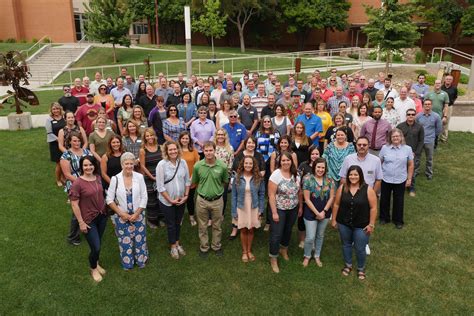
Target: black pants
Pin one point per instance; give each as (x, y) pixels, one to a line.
(280, 232)
(398, 202)
(74, 231)
(190, 203)
(173, 217)
(94, 238)
(224, 197)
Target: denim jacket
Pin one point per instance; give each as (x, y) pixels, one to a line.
(238, 195)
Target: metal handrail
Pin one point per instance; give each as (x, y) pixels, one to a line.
(451, 51)
(34, 45)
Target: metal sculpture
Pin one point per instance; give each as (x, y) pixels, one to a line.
(14, 72)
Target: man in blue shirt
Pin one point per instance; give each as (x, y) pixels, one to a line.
(236, 131)
(432, 126)
(312, 123)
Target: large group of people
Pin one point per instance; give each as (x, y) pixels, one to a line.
(328, 150)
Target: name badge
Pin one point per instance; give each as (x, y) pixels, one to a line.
(239, 130)
(251, 112)
(370, 172)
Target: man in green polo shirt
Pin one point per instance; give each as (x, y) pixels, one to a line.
(440, 100)
(210, 175)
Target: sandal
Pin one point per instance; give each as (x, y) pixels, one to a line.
(361, 275)
(245, 258)
(305, 262)
(251, 256)
(346, 271)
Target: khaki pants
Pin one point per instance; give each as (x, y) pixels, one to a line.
(203, 208)
(444, 134)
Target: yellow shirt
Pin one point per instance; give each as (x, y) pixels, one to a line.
(327, 122)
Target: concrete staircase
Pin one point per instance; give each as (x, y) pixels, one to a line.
(52, 60)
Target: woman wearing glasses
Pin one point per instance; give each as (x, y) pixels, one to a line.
(105, 100)
(173, 125)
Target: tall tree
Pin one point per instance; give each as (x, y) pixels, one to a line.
(391, 27)
(210, 22)
(302, 16)
(108, 21)
(445, 17)
(467, 22)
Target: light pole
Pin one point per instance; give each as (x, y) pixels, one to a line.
(157, 30)
(187, 36)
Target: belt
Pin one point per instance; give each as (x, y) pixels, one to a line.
(210, 199)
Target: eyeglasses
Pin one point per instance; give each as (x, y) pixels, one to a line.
(411, 114)
(232, 116)
(67, 90)
(334, 72)
(102, 89)
(362, 145)
(202, 112)
(332, 80)
(266, 121)
(350, 79)
(220, 134)
(173, 110)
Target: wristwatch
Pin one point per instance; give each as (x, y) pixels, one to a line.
(371, 225)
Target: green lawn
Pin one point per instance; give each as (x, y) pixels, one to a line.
(426, 268)
(45, 97)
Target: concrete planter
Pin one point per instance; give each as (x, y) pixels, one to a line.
(19, 121)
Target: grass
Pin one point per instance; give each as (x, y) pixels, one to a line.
(198, 48)
(426, 268)
(46, 97)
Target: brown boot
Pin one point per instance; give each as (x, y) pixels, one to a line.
(274, 264)
(284, 253)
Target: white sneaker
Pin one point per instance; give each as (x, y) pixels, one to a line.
(192, 220)
(181, 250)
(367, 250)
(301, 245)
(174, 253)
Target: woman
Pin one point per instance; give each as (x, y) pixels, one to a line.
(141, 91)
(55, 122)
(109, 125)
(99, 139)
(71, 127)
(202, 130)
(281, 122)
(390, 113)
(139, 118)
(326, 119)
(236, 101)
(172, 184)
(332, 85)
(282, 146)
(300, 142)
(70, 168)
(224, 153)
(354, 106)
(379, 99)
(286, 204)
(360, 119)
(339, 122)
(105, 100)
(248, 203)
(222, 117)
(367, 100)
(335, 154)
(88, 205)
(124, 113)
(173, 125)
(212, 111)
(127, 197)
(191, 156)
(354, 214)
(150, 156)
(238, 88)
(397, 168)
(211, 81)
(187, 110)
(267, 138)
(110, 162)
(131, 140)
(217, 91)
(318, 192)
(205, 99)
(307, 166)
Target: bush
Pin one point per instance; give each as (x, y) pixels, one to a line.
(23, 41)
(34, 40)
(372, 55)
(464, 79)
(430, 80)
(397, 58)
(461, 91)
(1, 41)
(421, 71)
(436, 58)
(47, 40)
(10, 40)
(448, 57)
(420, 57)
(353, 56)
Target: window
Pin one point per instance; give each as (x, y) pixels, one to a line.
(140, 28)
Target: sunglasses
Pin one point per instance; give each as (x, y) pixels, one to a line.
(411, 114)
(362, 145)
(173, 110)
(233, 116)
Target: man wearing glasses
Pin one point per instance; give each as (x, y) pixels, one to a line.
(236, 131)
(335, 76)
(148, 101)
(68, 101)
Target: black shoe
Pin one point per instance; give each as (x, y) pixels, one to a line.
(219, 252)
(429, 178)
(383, 222)
(232, 237)
(74, 242)
(203, 254)
(399, 226)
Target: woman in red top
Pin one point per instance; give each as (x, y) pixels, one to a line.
(88, 205)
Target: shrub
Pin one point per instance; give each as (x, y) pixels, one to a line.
(436, 58)
(23, 41)
(448, 57)
(47, 40)
(34, 40)
(10, 40)
(461, 91)
(1, 41)
(430, 80)
(372, 55)
(397, 58)
(353, 56)
(420, 57)
(464, 79)
(421, 71)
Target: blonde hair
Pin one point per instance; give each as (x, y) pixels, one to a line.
(166, 145)
(226, 141)
(55, 105)
(151, 131)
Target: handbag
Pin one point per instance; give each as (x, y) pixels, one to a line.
(175, 172)
(110, 211)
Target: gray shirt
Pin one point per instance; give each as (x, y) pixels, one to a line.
(176, 187)
(371, 167)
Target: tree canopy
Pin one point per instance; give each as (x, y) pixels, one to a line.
(210, 22)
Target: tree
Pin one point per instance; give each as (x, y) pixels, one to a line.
(211, 22)
(391, 27)
(304, 15)
(108, 21)
(445, 17)
(467, 22)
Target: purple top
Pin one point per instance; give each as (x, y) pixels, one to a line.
(383, 127)
(202, 132)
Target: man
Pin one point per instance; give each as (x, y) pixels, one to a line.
(278, 92)
(248, 115)
(94, 86)
(388, 90)
(296, 106)
(250, 90)
(452, 92)
(312, 122)
(371, 90)
(148, 101)
(421, 88)
(362, 85)
(379, 84)
(440, 103)
(175, 98)
(291, 83)
(210, 175)
(255, 77)
(285, 100)
(228, 92)
(236, 131)
(371, 167)
(334, 75)
(228, 77)
(414, 135)
(202, 130)
(87, 113)
(403, 103)
(304, 94)
(119, 92)
(432, 126)
(376, 131)
(353, 92)
(181, 81)
(245, 78)
(268, 82)
(333, 102)
(260, 100)
(123, 73)
(269, 109)
(325, 92)
(86, 83)
(220, 75)
(109, 82)
(163, 90)
(130, 85)
(206, 88)
(68, 101)
(308, 85)
(79, 91)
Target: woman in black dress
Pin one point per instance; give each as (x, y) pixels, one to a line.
(54, 123)
(300, 142)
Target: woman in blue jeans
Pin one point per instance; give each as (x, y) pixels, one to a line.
(318, 191)
(286, 204)
(354, 214)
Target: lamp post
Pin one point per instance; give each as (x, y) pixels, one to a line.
(187, 36)
(157, 30)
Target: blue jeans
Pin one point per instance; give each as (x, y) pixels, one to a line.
(360, 239)
(280, 232)
(314, 232)
(94, 238)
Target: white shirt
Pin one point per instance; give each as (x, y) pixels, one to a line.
(401, 106)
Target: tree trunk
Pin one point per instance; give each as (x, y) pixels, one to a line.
(212, 45)
(115, 54)
(241, 38)
(17, 105)
(387, 62)
(301, 40)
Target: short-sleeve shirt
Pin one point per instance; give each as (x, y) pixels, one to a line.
(237, 134)
(438, 99)
(210, 178)
(319, 194)
(90, 195)
(370, 165)
(248, 116)
(287, 190)
(100, 143)
(394, 165)
(86, 115)
(312, 125)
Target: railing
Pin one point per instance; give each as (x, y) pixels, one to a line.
(450, 51)
(27, 52)
(280, 62)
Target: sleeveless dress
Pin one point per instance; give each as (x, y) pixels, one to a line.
(55, 153)
(248, 216)
(151, 161)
